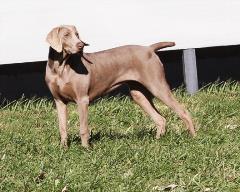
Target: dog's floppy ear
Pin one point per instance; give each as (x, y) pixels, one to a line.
(54, 40)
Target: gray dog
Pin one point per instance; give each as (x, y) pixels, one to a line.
(73, 75)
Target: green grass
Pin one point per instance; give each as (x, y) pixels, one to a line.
(125, 155)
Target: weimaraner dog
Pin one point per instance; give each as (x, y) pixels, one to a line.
(73, 75)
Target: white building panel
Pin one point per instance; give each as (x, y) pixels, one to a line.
(104, 24)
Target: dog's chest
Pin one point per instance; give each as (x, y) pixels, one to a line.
(65, 89)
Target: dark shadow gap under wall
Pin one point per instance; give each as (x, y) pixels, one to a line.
(213, 64)
(172, 62)
(218, 64)
(23, 79)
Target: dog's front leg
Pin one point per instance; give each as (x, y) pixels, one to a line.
(62, 119)
(83, 115)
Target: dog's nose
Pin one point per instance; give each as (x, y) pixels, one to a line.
(80, 45)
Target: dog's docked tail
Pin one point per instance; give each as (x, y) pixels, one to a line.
(161, 45)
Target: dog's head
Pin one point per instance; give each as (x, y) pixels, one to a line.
(65, 38)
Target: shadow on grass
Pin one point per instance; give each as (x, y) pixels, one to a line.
(111, 135)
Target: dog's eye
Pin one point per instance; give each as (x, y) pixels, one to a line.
(66, 34)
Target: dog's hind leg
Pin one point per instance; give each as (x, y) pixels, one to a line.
(160, 89)
(143, 98)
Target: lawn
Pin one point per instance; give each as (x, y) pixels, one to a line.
(125, 155)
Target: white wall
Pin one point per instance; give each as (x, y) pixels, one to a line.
(24, 24)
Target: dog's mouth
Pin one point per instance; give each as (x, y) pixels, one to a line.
(77, 49)
(74, 51)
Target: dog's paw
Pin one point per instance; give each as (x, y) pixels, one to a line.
(160, 132)
(64, 144)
